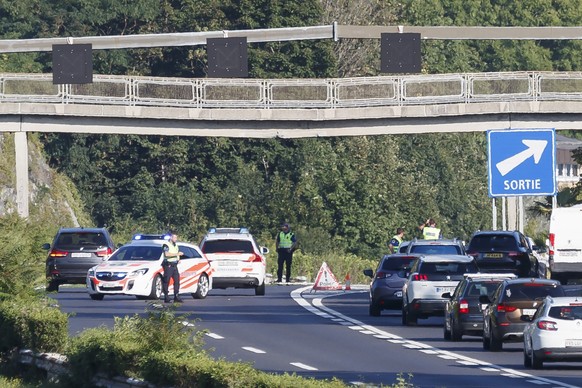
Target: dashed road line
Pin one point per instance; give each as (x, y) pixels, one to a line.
(254, 350)
(214, 335)
(303, 366)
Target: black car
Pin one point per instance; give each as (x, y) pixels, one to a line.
(503, 251)
(502, 321)
(72, 252)
(463, 311)
(387, 281)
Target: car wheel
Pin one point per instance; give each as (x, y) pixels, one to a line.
(408, 319)
(260, 290)
(536, 362)
(456, 334)
(52, 286)
(96, 296)
(156, 291)
(485, 338)
(526, 359)
(495, 343)
(374, 310)
(203, 286)
(446, 332)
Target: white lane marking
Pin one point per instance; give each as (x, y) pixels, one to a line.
(254, 350)
(317, 304)
(302, 366)
(214, 335)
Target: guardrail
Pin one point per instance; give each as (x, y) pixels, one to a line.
(207, 93)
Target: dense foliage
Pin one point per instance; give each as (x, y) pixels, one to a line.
(340, 194)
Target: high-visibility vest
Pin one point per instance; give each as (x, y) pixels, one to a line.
(431, 233)
(172, 249)
(397, 238)
(285, 240)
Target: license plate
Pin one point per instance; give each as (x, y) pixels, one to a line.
(528, 311)
(398, 294)
(493, 255)
(574, 343)
(442, 290)
(108, 285)
(227, 264)
(80, 254)
(568, 253)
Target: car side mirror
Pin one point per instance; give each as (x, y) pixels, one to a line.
(46, 246)
(264, 250)
(369, 272)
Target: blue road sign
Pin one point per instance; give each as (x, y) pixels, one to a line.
(522, 162)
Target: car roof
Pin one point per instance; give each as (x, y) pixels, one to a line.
(496, 232)
(228, 233)
(531, 280)
(400, 255)
(82, 229)
(446, 258)
(440, 241)
(564, 300)
(489, 276)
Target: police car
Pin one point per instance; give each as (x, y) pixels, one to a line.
(238, 261)
(136, 269)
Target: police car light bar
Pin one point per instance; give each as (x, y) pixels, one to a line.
(140, 236)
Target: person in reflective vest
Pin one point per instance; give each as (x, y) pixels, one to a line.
(170, 265)
(286, 245)
(394, 244)
(430, 231)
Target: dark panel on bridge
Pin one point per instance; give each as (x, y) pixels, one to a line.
(72, 64)
(400, 53)
(227, 57)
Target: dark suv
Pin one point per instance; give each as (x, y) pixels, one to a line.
(73, 252)
(503, 251)
(513, 298)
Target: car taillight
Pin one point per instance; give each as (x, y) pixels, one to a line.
(57, 253)
(463, 307)
(104, 252)
(551, 238)
(419, 277)
(255, 258)
(547, 325)
(503, 308)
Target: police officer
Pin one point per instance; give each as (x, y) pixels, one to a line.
(170, 265)
(394, 244)
(429, 230)
(286, 245)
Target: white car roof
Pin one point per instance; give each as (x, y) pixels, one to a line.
(565, 300)
(446, 258)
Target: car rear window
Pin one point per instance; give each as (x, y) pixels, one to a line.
(129, 252)
(493, 243)
(447, 268)
(566, 312)
(80, 239)
(530, 291)
(227, 246)
(397, 263)
(436, 249)
(482, 288)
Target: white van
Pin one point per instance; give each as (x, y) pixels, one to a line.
(565, 243)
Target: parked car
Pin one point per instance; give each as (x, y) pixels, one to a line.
(503, 251)
(436, 247)
(554, 333)
(387, 282)
(513, 298)
(136, 269)
(430, 277)
(237, 259)
(463, 311)
(565, 243)
(72, 252)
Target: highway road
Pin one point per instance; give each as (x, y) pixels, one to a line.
(326, 334)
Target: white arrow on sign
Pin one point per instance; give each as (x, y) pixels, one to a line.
(534, 148)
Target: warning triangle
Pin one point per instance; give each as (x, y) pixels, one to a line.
(326, 280)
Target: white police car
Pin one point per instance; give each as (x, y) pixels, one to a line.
(136, 269)
(238, 261)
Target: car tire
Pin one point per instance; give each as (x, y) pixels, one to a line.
(485, 339)
(374, 311)
(407, 318)
(526, 359)
(96, 296)
(203, 287)
(156, 291)
(260, 290)
(456, 333)
(536, 362)
(495, 343)
(446, 332)
(52, 286)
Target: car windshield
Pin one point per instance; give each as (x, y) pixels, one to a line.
(227, 246)
(566, 312)
(436, 249)
(81, 239)
(129, 252)
(530, 291)
(492, 243)
(396, 263)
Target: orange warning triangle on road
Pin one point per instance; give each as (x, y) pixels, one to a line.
(326, 280)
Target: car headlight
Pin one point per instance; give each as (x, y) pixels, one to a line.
(139, 272)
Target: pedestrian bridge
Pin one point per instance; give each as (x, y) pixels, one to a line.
(290, 108)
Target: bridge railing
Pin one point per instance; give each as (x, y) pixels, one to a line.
(208, 93)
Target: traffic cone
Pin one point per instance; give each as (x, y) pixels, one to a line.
(348, 282)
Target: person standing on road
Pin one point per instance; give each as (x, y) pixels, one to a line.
(170, 265)
(394, 244)
(429, 230)
(286, 245)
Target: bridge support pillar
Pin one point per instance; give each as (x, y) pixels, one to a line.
(21, 156)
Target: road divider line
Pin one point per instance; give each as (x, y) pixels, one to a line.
(254, 350)
(303, 366)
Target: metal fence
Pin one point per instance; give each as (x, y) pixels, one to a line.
(207, 93)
